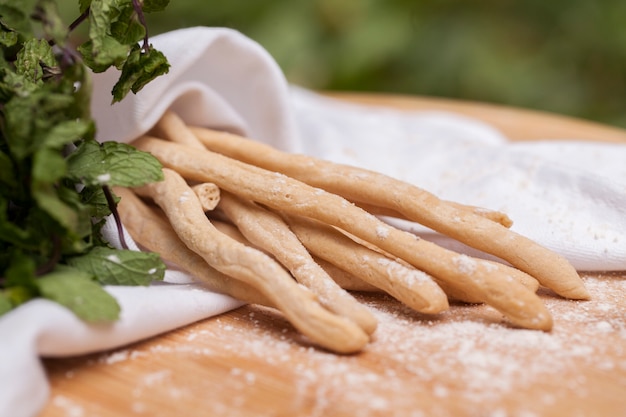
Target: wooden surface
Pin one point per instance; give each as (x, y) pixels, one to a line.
(465, 362)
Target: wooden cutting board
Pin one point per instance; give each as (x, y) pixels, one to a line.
(465, 362)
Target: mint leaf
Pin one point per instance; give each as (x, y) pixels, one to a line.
(21, 269)
(94, 199)
(34, 54)
(77, 291)
(121, 267)
(127, 29)
(105, 50)
(48, 200)
(13, 18)
(20, 276)
(49, 166)
(150, 6)
(47, 13)
(52, 204)
(113, 163)
(66, 132)
(140, 68)
(8, 38)
(84, 5)
(29, 117)
(101, 55)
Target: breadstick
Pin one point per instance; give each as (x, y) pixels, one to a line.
(493, 215)
(232, 231)
(408, 285)
(487, 281)
(218, 141)
(171, 127)
(345, 279)
(251, 266)
(349, 281)
(268, 231)
(208, 194)
(457, 293)
(364, 186)
(155, 234)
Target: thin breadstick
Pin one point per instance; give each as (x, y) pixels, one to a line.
(155, 234)
(489, 282)
(365, 186)
(345, 279)
(349, 281)
(269, 231)
(173, 128)
(232, 231)
(410, 286)
(493, 215)
(251, 266)
(208, 194)
(217, 141)
(457, 293)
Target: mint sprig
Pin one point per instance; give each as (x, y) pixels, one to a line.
(55, 178)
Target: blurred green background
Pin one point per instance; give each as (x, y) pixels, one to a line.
(564, 56)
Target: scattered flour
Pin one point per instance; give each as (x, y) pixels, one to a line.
(69, 407)
(184, 197)
(466, 358)
(382, 232)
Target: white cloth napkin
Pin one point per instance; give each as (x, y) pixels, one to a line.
(567, 195)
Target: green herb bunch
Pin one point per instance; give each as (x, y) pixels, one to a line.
(55, 178)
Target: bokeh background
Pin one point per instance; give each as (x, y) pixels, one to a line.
(563, 56)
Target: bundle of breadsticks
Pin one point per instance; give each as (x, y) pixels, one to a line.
(297, 234)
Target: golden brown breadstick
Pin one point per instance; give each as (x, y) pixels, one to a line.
(171, 127)
(488, 282)
(155, 234)
(492, 215)
(457, 293)
(364, 186)
(408, 285)
(208, 194)
(251, 266)
(232, 231)
(349, 281)
(345, 279)
(268, 231)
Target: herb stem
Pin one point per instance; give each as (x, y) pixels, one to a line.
(113, 207)
(142, 19)
(80, 19)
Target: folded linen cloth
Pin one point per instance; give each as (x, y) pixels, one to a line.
(569, 196)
